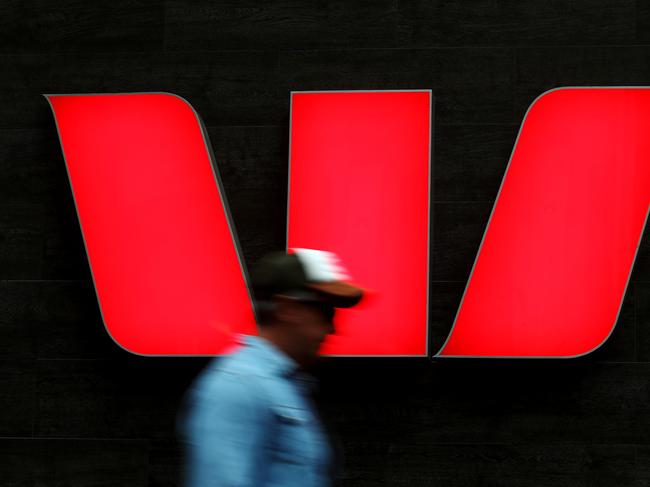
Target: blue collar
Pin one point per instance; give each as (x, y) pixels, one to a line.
(275, 362)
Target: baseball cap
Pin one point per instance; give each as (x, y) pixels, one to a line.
(308, 274)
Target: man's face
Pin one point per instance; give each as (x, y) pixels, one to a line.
(308, 324)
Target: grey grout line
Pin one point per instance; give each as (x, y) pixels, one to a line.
(75, 438)
(279, 51)
(327, 358)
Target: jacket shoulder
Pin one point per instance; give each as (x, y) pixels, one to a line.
(236, 373)
(242, 362)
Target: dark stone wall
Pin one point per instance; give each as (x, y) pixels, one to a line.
(75, 409)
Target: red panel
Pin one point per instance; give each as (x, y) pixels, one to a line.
(162, 255)
(359, 186)
(555, 260)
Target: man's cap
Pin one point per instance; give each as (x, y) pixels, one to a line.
(306, 274)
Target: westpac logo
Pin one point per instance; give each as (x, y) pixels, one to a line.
(548, 280)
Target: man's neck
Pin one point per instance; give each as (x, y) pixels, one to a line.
(281, 343)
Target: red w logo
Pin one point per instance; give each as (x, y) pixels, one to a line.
(548, 280)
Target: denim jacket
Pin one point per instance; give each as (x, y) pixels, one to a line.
(248, 420)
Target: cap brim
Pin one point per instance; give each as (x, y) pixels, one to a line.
(341, 294)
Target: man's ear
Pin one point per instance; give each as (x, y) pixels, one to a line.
(286, 309)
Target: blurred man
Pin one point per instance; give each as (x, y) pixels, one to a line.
(250, 420)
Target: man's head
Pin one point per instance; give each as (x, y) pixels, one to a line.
(296, 297)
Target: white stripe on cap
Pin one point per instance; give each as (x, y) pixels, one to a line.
(321, 265)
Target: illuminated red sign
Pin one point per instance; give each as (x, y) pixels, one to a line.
(557, 253)
(162, 253)
(548, 280)
(359, 186)
(162, 250)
